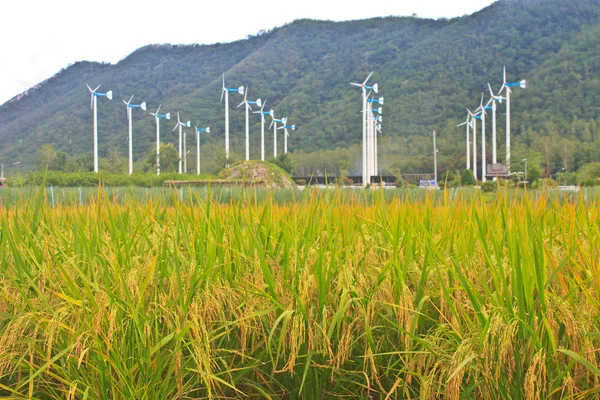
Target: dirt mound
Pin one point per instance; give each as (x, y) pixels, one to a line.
(259, 173)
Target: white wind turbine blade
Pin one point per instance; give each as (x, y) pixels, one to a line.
(131, 98)
(356, 84)
(491, 91)
(272, 122)
(368, 77)
(89, 88)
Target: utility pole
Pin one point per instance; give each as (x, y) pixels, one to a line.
(435, 162)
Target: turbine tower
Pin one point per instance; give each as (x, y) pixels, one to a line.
(262, 128)
(94, 106)
(523, 85)
(157, 118)
(483, 152)
(225, 92)
(285, 138)
(494, 99)
(364, 88)
(469, 124)
(129, 107)
(248, 109)
(476, 116)
(371, 136)
(198, 132)
(274, 125)
(180, 125)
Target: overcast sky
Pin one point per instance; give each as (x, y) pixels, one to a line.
(40, 37)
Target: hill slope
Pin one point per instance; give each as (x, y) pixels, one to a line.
(428, 71)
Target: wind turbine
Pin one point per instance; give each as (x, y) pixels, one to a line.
(523, 85)
(225, 92)
(262, 128)
(180, 125)
(157, 117)
(476, 116)
(482, 117)
(285, 129)
(198, 132)
(274, 125)
(94, 106)
(364, 88)
(129, 107)
(371, 136)
(493, 100)
(468, 123)
(247, 102)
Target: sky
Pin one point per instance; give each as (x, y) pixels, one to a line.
(41, 37)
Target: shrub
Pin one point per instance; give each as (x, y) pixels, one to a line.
(467, 178)
(489, 186)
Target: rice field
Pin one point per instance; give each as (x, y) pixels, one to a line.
(327, 296)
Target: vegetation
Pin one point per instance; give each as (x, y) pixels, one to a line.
(311, 299)
(428, 71)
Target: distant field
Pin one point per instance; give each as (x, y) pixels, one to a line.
(313, 294)
(66, 196)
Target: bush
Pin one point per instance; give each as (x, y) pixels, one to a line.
(467, 178)
(589, 182)
(489, 186)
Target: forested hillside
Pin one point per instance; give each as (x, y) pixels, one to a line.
(429, 71)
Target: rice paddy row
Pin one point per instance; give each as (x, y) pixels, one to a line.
(327, 296)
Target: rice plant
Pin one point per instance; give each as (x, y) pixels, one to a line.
(325, 296)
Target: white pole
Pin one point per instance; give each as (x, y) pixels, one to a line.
(227, 127)
(435, 162)
(275, 139)
(494, 155)
(130, 142)
(198, 152)
(369, 142)
(483, 166)
(475, 148)
(247, 133)
(157, 145)
(285, 141)
(508, 128)
(184, 152)
(180, 153)
(364, 138)
(375, 148)
(262, 136)
(95, 133)
(468, 149)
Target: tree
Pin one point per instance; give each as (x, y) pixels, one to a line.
(284, 161)
(45, 155)
(467, 178)
(169, 158)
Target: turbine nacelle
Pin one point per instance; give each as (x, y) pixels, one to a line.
(379, 100)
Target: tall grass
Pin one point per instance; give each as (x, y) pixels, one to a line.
(322, 297)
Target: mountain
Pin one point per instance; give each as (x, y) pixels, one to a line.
(429, 71)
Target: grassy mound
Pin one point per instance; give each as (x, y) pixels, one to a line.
(259, 172)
